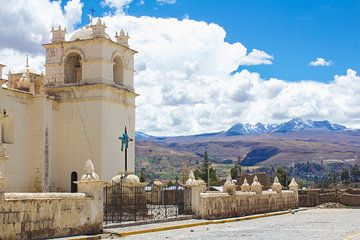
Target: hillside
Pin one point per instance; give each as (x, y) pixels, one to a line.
(260, 145)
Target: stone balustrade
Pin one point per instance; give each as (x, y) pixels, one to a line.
(250, 200)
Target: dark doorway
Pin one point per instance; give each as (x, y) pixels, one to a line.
(73, 180)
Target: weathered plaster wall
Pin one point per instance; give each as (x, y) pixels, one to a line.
(48, 215)
(222, 205)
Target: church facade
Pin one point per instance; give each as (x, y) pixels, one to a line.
(51, 123)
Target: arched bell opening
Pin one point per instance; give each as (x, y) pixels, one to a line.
(118, 71)
(72, 68)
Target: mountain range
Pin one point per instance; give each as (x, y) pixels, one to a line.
(257, 145)
(296, 124)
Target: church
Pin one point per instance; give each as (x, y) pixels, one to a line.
(51, 123)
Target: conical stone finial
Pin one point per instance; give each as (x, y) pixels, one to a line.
(245, 187)
(256, 185)
(229, 186)
(276, 187)
(228, 177)
(276, 180)
(191, 181)
(293, 185)
(89, 170)
(89, 166)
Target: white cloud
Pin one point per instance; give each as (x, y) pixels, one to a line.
(25, 25)
(183, 77)
(183, 74)
(321, 62)
(118, 5)
(166, 1)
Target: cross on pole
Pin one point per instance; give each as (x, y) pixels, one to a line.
(125, 144)
(92, 11)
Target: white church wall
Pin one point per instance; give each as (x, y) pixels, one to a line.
(16, 167)
(115, 117)
(77, 136)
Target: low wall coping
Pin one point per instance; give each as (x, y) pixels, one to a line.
(23, 196)
(213, 194)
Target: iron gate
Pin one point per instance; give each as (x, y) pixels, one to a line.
(126, 203)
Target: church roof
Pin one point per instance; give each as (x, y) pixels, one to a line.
(26, 69)
(85, 33)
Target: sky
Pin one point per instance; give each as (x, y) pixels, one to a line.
(203, 65)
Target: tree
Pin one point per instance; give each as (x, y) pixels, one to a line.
(282, 176)
(345, 175)
(355, 173)
(236, 170)
(185, 172)
(142, 175)
(206, 169)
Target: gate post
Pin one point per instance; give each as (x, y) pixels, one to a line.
(196, 187)
(92, 186)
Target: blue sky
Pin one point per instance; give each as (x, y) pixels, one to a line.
(203, 66)
(294, 32)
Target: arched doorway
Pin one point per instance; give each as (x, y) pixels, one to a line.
(118, 71)
(74, 178)
(72, 68)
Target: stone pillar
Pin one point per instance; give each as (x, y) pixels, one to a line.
(92, 186)
(2, 188)
(195, 197)
(196, 187)
(295, 188)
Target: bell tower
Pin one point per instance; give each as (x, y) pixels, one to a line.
(89, 57)
(91, 78)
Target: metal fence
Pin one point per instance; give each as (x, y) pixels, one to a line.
(126, 203)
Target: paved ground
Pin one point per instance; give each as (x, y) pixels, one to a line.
(311, 224)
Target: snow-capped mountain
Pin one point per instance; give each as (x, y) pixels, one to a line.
(146, 137)
(295, 124)
(245, 129)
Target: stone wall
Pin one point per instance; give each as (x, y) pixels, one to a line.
(222, 205)
(250, 200)
(350, 199)
(47, 215)
(314, 197)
